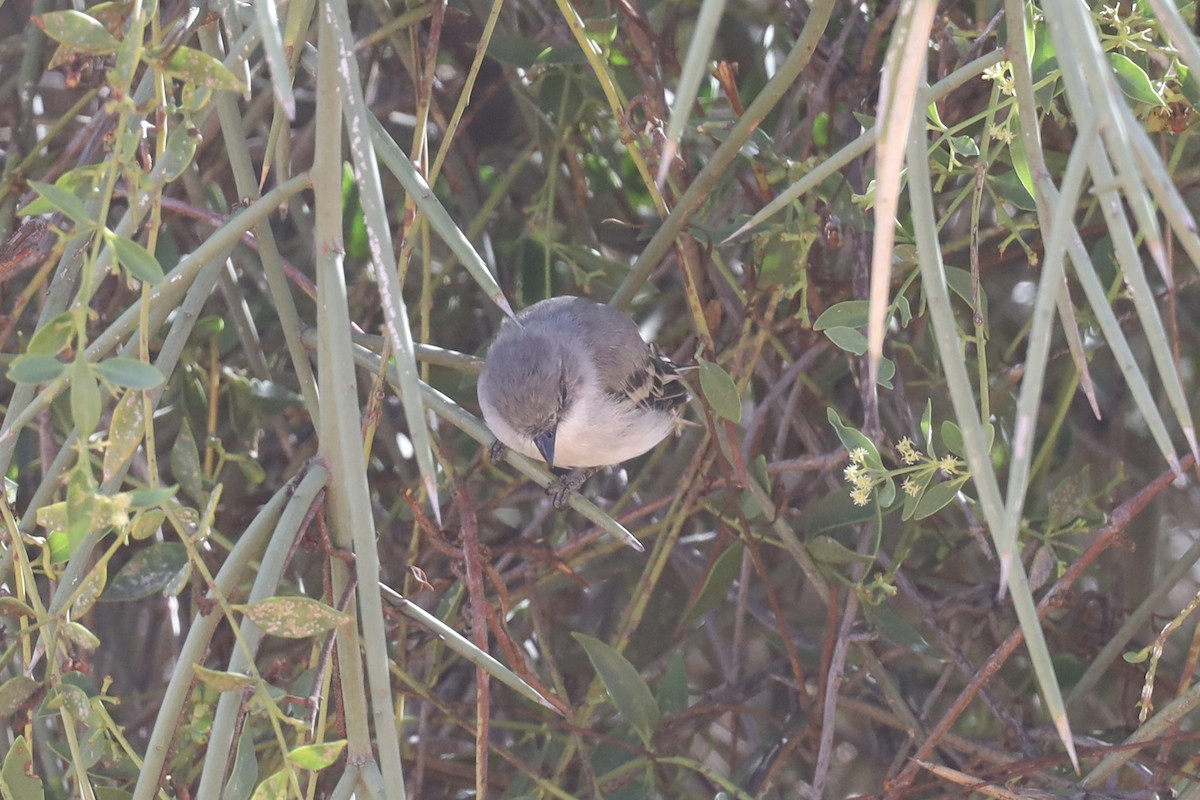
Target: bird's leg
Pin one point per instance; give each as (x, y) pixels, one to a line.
(497, 451)
(561, 489)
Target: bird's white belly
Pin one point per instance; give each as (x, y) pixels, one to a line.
(602, 433)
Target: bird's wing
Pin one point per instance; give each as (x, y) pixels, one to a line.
(655, 385)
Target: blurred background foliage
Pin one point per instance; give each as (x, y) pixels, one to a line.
(818, 612)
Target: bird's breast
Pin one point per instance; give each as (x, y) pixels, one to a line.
(601, 431)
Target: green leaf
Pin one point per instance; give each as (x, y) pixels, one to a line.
(926, 427)
(14, 692)
(1010, 188)
(922, 481)
(140, 263)
(673, 688)
(885, 493)
(887, 371)
(1133, 80)
(959, 281)
(847, 314)
(19, 778)
(1020, 164)
(624, 685)
(936, 497)
(828, 550)
(273, 788)
(35, 369)
(149, 571)
(129, 373)
(1137, 656)
(65, 201)
(1069, 499)
(80, 636)
(145, 498)
(185, 463)
(317, 756)
(847, 339)
(124, 432)
(244, 774)
(716, 586)
(251, 470)
(903, 310)
(853, 439)
(517, 51)
(952, 438)
(834, 510)
(77, 31)
(220, 680)
(896, 630)
(85, 397)
(53, 517)
(89, 591)
(720, 391)
(178, 154)
(146, 524)
(51, 338)
(293, 617)
(59, 545)
(192, 66)
(12, 607)
(964, 146)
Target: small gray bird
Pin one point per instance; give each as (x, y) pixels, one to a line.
(571, 381)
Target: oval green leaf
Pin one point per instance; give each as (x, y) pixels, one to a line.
(935, 498)
(220, 680)
(14, 692)
(847, 314)
(149, 571)
(185, 463)
(85, 397)
(35, 369)
(720, 391)
(293, 617)
(139, 261)
(1134, 81)
(66, 202)
(848, 339)
(19, 775)
(624, 685)
(828, 550)
(197, 68)
(53, 336)
(853, 439)
(317, 756)
(80, 636)
(124, 432)
(77, 31)
(129, 373)
(89, 591)
(717, 583)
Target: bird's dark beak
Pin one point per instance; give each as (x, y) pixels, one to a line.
(544, 442)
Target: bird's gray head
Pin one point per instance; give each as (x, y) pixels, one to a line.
(531, 383)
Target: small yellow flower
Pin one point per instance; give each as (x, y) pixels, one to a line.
(908, 451)
(858, 455)
(949, 465)
(911, 487)
(851, 472)
(861, 495)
